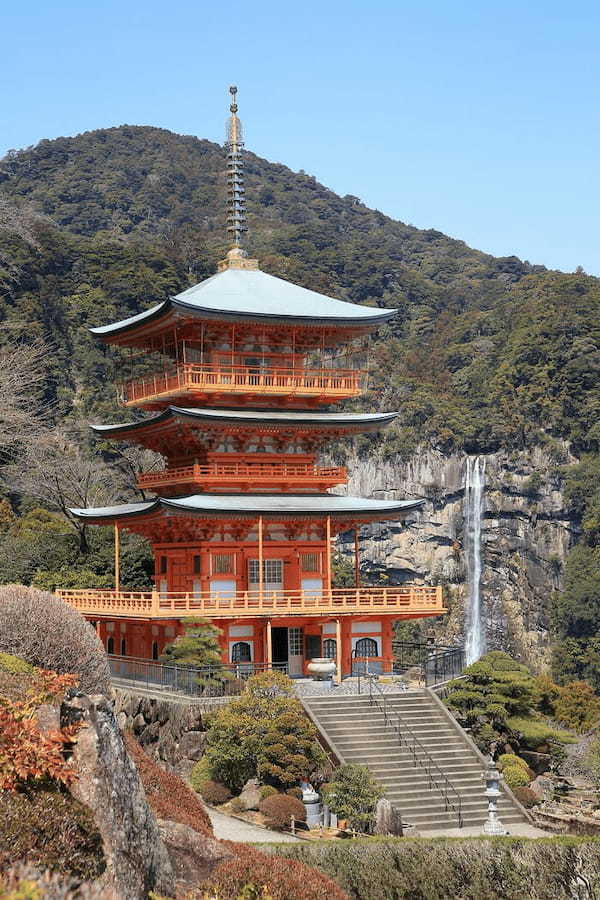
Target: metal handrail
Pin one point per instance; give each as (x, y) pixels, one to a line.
(224, 680)
(402, 729)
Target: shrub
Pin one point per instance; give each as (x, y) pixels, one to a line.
(48, 633)
(295, 792)
(214, 792)
(442, 869)
(253, 874)
(49, 829)
(515, 776)
(526, 797)
(167, 794)
(237, 805)
(578, 706)
(546, 693)
(268, 791)
(352, 794)
(279, 808)
(28, 754)
(494, 688)
(199, 774)
(511, 759)
(534, 734)
(14, 665)
(263, 733)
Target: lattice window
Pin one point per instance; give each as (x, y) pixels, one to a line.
(241, 652)
(367, 647)
(223, 564)
(310, 562)
(329, 648)
(272, 571)
(295, 641)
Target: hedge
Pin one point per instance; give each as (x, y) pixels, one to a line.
(465, 868)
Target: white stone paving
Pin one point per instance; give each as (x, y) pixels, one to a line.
(228, 828)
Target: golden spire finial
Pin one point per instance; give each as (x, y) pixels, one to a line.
(236, 195)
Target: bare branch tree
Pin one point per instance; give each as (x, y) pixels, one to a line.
(58, 473)
(22, 380)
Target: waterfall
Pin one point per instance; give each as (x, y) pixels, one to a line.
(473, 515)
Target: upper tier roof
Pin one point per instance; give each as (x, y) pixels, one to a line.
(252, 295)
(249, 417)
(270, 505)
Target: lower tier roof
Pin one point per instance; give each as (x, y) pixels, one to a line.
(273, 506)
(250, 417)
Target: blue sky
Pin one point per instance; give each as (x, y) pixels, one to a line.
(479, 119)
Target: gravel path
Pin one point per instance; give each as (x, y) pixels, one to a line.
(230, 829)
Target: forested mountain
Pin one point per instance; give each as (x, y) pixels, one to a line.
(486, 354)
(484, 351)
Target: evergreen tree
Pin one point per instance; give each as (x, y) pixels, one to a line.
(197, 647)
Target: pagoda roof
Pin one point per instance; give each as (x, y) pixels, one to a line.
(252, 295)
(275, 506)
(249, 417)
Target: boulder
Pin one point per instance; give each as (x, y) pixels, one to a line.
(250, 795)
(47, 718)
(109, 784)
(150, 734)
(191, 745)
(193, 856)
(542, 787)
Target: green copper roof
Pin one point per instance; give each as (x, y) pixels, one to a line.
(307, 418)
(252, 295)
(270, 505)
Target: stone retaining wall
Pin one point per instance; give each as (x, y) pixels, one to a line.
(171, 731)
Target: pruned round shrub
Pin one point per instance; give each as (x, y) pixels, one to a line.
(295, 792)
(526, 797)
(278, 810)
(47, 632)
(14, 665)
(515, 776)
(267, 790)
(511, 759)
(214, 792)
(254, 874)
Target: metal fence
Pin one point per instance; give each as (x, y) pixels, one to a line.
(434, 663)
(190, 681)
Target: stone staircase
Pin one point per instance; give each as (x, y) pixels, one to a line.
(356, 732)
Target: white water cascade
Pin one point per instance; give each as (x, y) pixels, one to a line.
(473, 515)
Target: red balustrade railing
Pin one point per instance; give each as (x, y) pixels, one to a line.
(404, 601)
(235, 472)
(195, 378)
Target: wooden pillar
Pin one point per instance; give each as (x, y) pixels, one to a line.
(338, 649)
(328, 560)
(117, 559)
(269, 646)
(356, 559)
(260, 560)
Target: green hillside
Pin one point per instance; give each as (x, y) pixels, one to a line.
(485, 352)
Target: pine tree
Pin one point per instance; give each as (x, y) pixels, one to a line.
(198, 647)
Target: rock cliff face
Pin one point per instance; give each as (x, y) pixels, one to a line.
(526, 532)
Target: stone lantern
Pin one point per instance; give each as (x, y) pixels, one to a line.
(310, 798)
(493, 825)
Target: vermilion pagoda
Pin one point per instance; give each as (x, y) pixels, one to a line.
(242, 526)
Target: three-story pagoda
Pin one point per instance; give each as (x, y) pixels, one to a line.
(242, 524)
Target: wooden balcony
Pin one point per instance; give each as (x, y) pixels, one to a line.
(197, 383)
(404, 602)
(241, 476)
